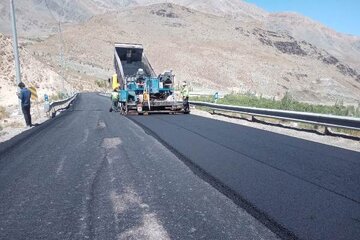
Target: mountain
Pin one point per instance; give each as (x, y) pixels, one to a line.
(227, 45)
(36, 17)
(343, 46)
(39, 18)
(212, 52)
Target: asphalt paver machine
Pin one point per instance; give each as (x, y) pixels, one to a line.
(141, 90)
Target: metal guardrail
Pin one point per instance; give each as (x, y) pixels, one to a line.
(311, 118)
(61, 104)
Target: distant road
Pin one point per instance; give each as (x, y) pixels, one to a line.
(91, 174)
(297, 187)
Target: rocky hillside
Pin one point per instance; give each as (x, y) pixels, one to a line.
(34, 73)
(227, 45)
(40, 17)
(44, 76)
(213, 52)
(343, 46)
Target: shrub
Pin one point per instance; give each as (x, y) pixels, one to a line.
(57, 96)
(286, 103)
(101, 83)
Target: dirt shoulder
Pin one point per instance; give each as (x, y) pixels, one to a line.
(14, 123)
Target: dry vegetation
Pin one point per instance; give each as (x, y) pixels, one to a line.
(3, 113)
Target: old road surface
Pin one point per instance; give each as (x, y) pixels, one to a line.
(91, 174)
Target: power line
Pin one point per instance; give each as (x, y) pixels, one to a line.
(51, 13)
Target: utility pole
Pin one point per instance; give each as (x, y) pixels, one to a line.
(62, 59)
(15, 44)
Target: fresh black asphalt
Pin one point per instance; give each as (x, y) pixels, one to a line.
(92, 174)
(298, 188)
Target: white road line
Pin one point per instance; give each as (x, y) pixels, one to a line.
(61, 165)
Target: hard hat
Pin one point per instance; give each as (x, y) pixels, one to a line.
(184, 83)
(140, 71)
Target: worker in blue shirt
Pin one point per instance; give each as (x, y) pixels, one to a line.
(25, 96)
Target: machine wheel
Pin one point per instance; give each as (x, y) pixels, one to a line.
(124, 109)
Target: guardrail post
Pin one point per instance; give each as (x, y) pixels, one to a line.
(327, 131)
(53, 113)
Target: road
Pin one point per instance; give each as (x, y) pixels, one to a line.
(91, 174)
(298, 188)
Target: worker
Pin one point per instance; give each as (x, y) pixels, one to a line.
(115, 99)
(185, 96)
(128, 56)
(25, 95)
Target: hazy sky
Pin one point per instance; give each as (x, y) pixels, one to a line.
(340, 15)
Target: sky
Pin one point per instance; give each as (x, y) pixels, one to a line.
(340, 15)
